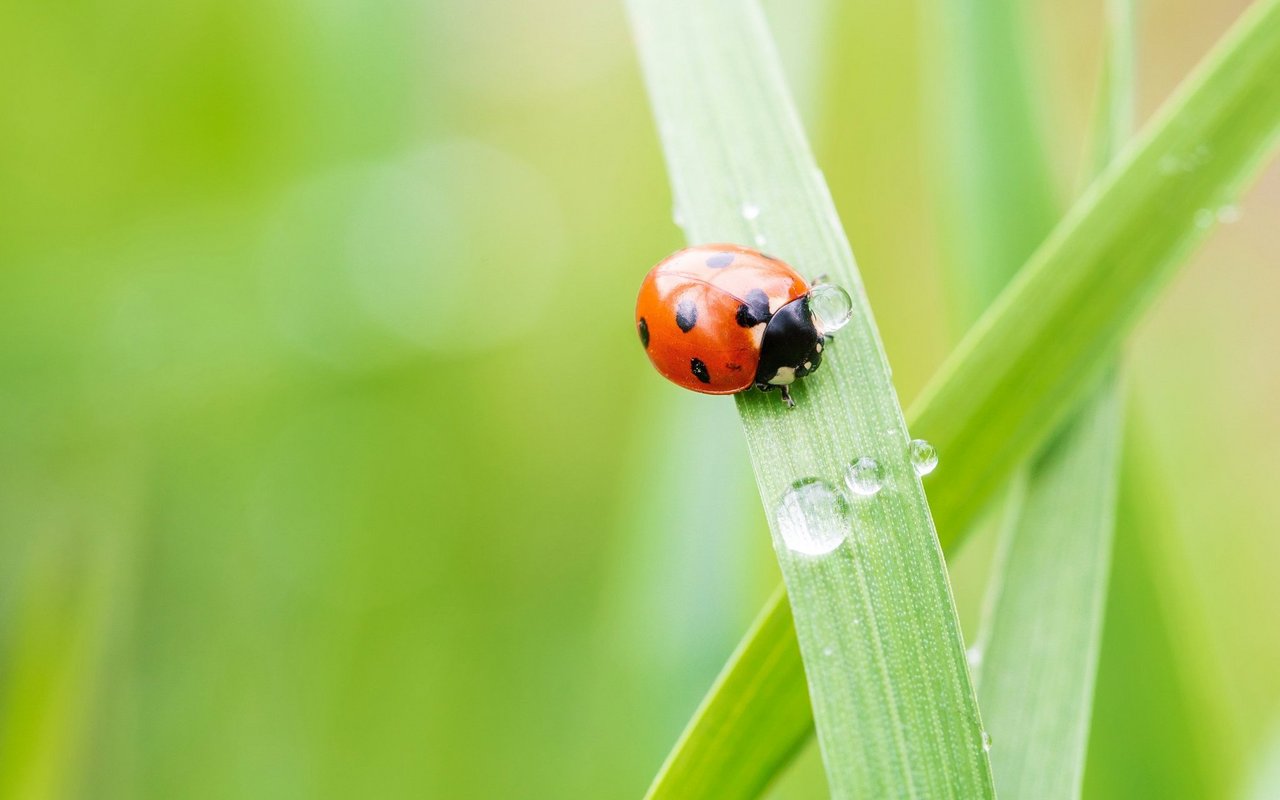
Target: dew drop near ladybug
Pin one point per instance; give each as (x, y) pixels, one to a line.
(722, 318)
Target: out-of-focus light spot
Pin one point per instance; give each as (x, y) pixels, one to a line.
(515, 51)
(454, 248)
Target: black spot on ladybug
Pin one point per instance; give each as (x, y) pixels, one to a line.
(720, 260)
(643, 328)
(700, 370)
(755, 310)
(686, 315)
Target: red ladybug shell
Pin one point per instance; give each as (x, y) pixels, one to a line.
(702, 312)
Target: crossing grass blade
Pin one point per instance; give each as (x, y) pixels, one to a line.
(1041, 348)
(894, 708)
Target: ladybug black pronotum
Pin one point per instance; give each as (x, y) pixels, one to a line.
(721, 318)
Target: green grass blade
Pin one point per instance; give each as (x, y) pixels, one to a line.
(735, 765)
(1156, 731)
(890, 691)
(1041, 652)
(1264, 778)
(1118, 94)
(72, 591)
(995, 178)
(1007, 510)
(993, 166)
(1040, 655)
(1027, 362)
(1040, 349)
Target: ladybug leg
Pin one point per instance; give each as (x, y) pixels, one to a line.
(786, 392)
(820, 279)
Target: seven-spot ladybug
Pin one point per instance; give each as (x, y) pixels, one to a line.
(720, 318)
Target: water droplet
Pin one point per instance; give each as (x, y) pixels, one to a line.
(986, 742)
(831, 307)
(828, 651)
(1175, 163)
(813, 517)
(864, 476)
(924, 458)
(760, 240)
(1204, 218)
(974, 656)
(677, 216)
(750, 211)
(1229, 214)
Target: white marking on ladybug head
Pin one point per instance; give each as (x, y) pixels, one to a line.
(785, 376)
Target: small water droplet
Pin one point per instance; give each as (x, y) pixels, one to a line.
(1204, 218)
(974, 656)
(828, 650)
(1229, 214)
(813, 517)
(924, 458)
(831, 306)
(750, 211)
(864, 476)
(760, 240)
(677, 216)
(1175, 163)
(986, 742)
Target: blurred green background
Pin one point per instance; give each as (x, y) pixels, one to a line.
(329, 465)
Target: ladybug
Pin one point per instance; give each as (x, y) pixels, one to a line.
(721, 318)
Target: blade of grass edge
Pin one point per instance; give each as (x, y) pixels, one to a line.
(1008, 508)
(1204, 145)
(890, 691)
(770, 663)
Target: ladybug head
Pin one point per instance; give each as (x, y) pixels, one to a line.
(791, 347)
